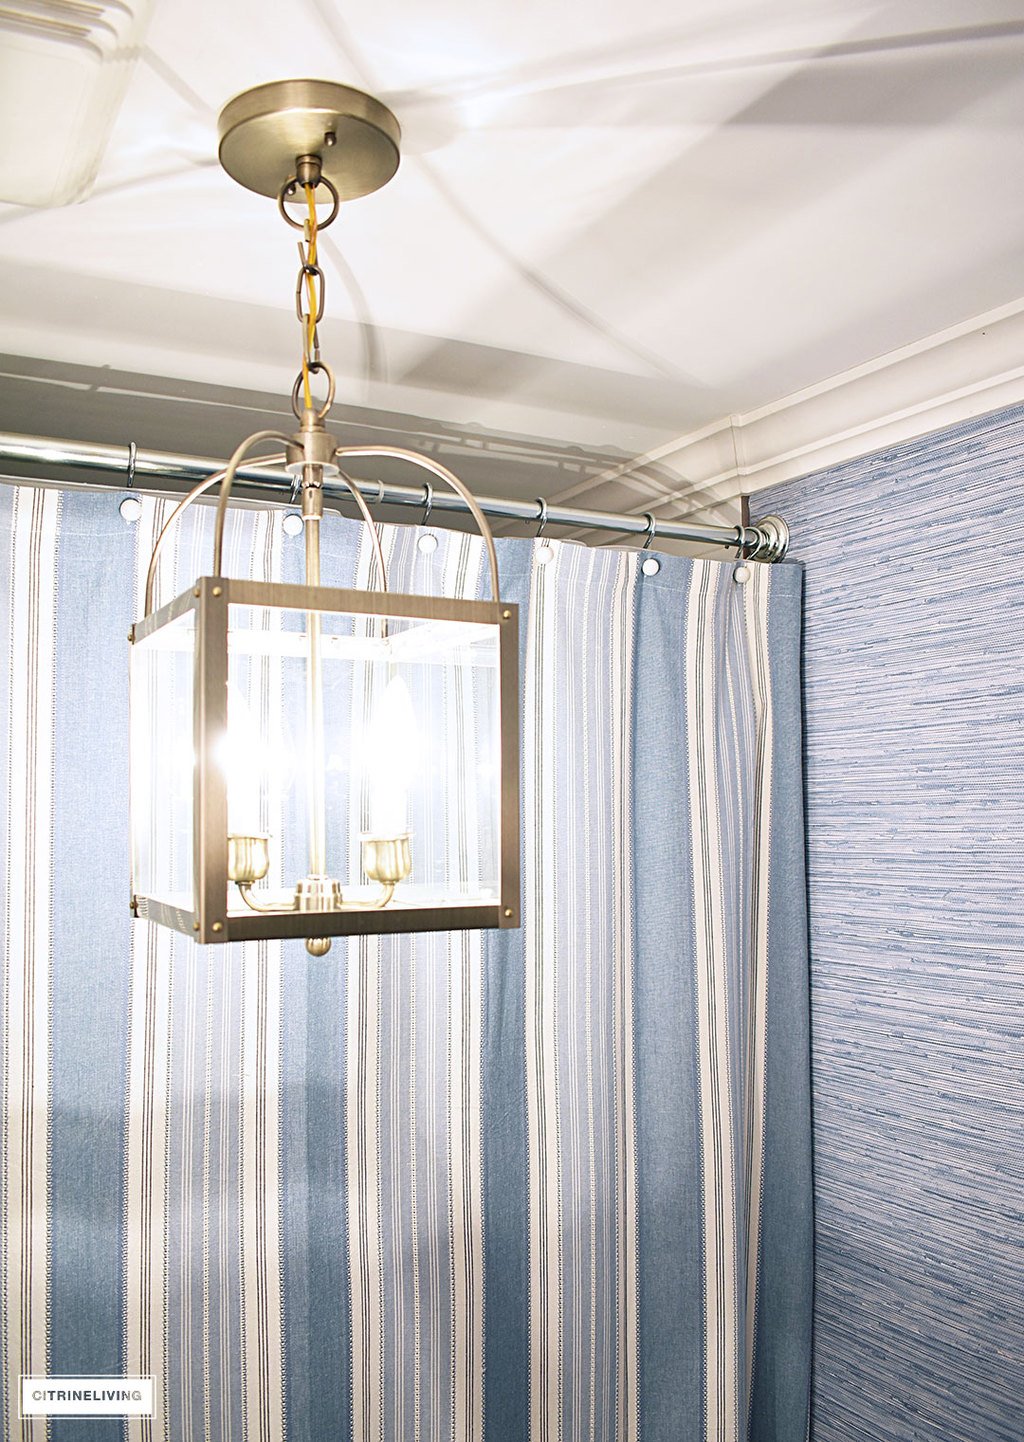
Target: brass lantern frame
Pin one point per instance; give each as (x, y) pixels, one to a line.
(210, 920)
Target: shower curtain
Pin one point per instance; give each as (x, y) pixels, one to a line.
(549, 1185)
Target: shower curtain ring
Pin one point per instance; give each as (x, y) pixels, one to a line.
(542, 514)
(132, 453)
(652, 526)
(428, 502)
(741, 572)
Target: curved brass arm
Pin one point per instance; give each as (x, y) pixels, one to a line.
(218, 476)
(227, 480)
(427, 464)
(364, 511)
(183, 505)
(251, 900)
(227, 475)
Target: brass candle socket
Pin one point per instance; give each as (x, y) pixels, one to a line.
(248, 858)
(387, 859)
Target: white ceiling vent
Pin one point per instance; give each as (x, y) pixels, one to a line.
(64, 68)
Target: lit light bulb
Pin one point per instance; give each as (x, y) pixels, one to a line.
(393, 758)
(243, 757)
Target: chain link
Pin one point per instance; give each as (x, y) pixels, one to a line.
(310, 294)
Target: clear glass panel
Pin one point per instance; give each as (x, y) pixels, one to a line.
(162, 759)
(409, 746)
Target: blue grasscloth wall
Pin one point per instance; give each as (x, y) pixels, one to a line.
(914, 684)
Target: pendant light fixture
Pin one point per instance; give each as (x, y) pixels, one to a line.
(309, 761)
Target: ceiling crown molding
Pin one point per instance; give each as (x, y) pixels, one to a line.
(968, 370)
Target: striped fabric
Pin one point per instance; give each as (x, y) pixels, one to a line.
(915, 777)
(549, 1185)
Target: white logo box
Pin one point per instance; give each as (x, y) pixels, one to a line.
(86, 1396)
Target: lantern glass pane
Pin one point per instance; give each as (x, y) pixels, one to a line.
(162, 761)
(410, 745)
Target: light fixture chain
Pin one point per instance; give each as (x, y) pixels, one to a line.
(310, 286)
(310, 340)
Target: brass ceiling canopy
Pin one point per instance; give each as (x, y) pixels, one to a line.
(265, 131)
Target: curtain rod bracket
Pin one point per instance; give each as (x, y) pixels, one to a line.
(772, 539)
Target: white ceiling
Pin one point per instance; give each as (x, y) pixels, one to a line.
(613, 223)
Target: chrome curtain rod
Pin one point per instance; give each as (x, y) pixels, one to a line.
(764, 540)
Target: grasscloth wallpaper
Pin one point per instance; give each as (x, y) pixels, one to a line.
(914, 691)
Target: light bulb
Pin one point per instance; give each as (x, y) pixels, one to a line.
(393, 759)
(243, 757)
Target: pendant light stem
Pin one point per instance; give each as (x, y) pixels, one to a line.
(316, 765)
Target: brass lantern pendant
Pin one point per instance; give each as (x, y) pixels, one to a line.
(308, 761)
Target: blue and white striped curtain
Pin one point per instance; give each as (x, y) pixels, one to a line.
(550, 1185)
